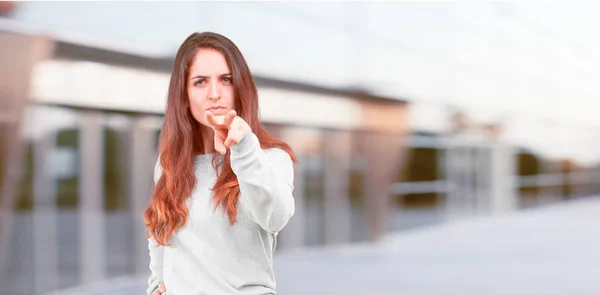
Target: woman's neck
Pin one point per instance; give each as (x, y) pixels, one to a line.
(208, 139)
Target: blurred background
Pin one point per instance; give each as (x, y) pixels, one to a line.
(449, 144)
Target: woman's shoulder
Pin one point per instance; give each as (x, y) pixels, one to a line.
(278, 154)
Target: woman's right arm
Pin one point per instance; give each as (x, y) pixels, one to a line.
(156, 250)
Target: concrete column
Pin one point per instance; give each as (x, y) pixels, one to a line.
(483, 177)
(503, 188)
(45, 240)
(455, 183)
(384, 154)
(336, 195)
(294, 234)
(92, 236)
(141, 170)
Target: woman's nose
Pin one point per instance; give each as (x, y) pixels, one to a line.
(215, 91)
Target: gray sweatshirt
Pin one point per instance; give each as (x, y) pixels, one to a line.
(208, 256)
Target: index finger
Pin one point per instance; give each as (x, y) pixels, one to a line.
(229, 118)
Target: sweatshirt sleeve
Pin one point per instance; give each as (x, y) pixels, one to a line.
(156, 251)
(266, 180)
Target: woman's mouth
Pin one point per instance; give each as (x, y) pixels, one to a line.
(216, 110)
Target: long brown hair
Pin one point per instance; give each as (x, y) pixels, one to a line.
(180, 140)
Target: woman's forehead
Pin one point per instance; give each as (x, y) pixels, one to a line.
(209, 62)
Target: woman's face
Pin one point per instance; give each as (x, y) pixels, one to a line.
(210, 85)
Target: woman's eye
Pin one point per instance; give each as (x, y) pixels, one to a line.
(227, 80)
(199, 82)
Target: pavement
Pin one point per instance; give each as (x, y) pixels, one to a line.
(546, 251)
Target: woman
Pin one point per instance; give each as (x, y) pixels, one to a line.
(223, 185)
